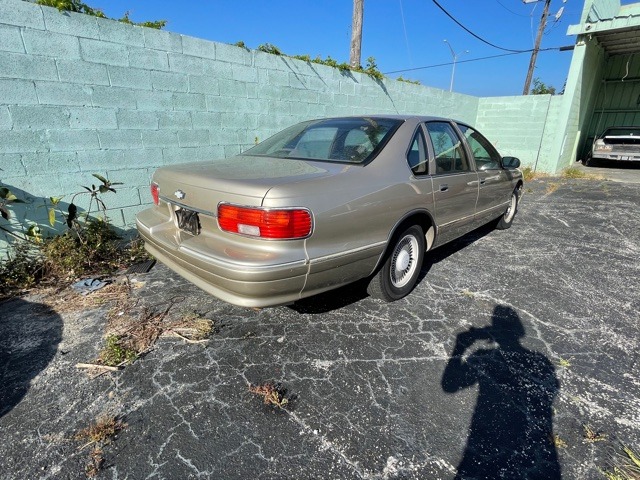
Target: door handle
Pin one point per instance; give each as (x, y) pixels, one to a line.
(444, 187)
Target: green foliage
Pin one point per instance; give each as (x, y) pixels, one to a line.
(23, 267)
(372, 69)
(79, 7)
(269, 48)
(116, 353)
(304, 58)
(539, 88)
(406, 80)
(240, 44)
(6, 199)
(528, 174)
(90, 248)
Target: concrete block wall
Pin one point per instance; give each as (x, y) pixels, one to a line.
(82, 95)
(515, 125)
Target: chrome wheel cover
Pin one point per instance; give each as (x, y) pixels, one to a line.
(404, 261)
(511, 211)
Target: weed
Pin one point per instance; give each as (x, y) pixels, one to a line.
(272, 394)
(240, 44)
(406, 80)
(528, 174)
(468, 293)
(116, 352)
(96, 460)
(591, 435)
(99, 434)
(192, 327)
(552, 187)
(558, 442)
(575, 172)
(564, 363)
(624, 465)
(22, 269)
(135, 252)
(95, 250)
(269, 48)
(304, 58)
(102, 431)
(79, 7)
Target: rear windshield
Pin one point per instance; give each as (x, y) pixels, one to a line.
(341, 140)
(622, 132)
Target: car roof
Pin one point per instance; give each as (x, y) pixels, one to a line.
(420, 118)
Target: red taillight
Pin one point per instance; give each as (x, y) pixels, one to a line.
(155, 193)
(265, 223)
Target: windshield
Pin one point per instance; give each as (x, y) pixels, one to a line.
(350, 140)
(622, 132)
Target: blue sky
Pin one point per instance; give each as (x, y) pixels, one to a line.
(400, 34)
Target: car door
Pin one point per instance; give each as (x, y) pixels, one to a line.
(495, 185)
(455, 182)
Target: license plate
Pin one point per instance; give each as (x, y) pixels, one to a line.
(188, 221)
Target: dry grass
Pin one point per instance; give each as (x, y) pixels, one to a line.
(98, 435)
(68, 301)
(592, 436)
(552, 187)
(624, 465)
(192, 327)
(558, 442)
(272, 394)
(102, 431)
(575, 172)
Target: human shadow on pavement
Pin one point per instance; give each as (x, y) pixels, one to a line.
(511, 432)
(29, 338)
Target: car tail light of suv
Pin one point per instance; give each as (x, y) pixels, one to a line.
(267, 223)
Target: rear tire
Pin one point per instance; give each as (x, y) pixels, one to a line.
(507, 217)
(401, 268)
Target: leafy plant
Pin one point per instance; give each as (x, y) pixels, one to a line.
(269, 48)
(79, 7)
(539, 88)
(372, 69)
(115, 352)
(406, 80)
(23, 267)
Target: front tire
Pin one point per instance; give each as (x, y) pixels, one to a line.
(399, 273)
(507, 217)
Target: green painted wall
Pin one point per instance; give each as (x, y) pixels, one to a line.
(515, 125)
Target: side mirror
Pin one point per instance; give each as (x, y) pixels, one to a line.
(510, 162)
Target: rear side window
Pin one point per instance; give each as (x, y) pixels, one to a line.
(447, 147)
(486, 157)
(417, 155)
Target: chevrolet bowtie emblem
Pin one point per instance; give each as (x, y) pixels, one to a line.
(180, 194)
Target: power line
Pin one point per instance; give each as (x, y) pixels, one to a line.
(511, 11)
(474, 60)
(473, 34)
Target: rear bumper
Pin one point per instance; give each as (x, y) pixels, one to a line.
(240, 283)
(618, 156)
(249, 274)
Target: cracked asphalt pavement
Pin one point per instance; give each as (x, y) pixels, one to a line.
(510, 346)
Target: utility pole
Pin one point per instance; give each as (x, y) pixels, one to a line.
(536, 48)
(356, 33)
